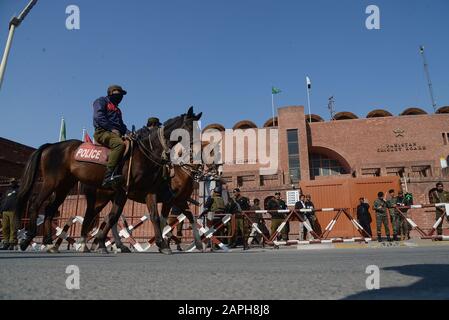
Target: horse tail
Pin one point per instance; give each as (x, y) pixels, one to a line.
(28, 179)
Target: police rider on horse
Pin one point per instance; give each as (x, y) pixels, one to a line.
(109, 129)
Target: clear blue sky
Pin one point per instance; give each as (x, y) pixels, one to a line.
(220, 56)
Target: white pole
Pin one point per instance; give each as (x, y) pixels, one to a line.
(13, 24)
(84, 134)
(6, 53)
(272, 108)
(60, 129)
(308, 102)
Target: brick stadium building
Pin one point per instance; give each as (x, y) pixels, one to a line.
(13, 157)
(319, 155)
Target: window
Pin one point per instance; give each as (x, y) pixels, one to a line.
(321, 165)
(372, 172)
(444, 138)
(293, 155)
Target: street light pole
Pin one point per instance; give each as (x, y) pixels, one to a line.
(13, 24)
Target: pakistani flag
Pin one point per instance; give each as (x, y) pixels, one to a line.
(62, 131)
(275, 90)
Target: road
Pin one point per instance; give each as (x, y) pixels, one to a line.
(405, 273)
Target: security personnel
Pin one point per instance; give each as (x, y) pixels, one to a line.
(403, 201)
(109, 129)
(241, 228)
(8, 208)
(310, 215)
(394, 215)
(380, 206)
(153, 122)
(214, 205)
(440, 196)
(364, 216)
(276, 203)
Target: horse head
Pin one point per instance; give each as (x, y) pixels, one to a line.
(185, 121)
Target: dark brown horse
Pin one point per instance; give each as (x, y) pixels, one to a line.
(181, 187)
(60, 172)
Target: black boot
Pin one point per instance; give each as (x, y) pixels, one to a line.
(111, 178)
(395, 237)
(389, 238)
(379, 238)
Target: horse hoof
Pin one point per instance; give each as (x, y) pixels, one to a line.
(102, 251)
(125, 249)
(179, 248)
(85, 250)
(24, 245)
(53, 250)
(165, 251)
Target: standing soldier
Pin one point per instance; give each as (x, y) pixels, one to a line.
(380, 206)
(241, 230)
(8, 208)
(403, 201)
(277, 218)
(440, 196)
(364, 216)
(394, 215)
(214, 205)
(309, 215)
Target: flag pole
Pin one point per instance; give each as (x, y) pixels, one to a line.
(272, 107)
(84, 135)
(60, 129)
(308, 97)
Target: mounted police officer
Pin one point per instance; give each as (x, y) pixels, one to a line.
(109, 129)
(440, 196)
(153, 122)
(9, 221)
(380, 206)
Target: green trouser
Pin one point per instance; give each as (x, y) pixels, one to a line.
(9, 228)
(395, 221)
(112, 141)
(275, 223)
(381, 218)
(240, 231)
(438, 214)
(404, 228)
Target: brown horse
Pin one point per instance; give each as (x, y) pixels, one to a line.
(181, 187)
(60, 172)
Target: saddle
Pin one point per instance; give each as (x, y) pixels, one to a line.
(98, 154)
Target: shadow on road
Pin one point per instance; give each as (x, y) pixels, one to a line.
(434, 284)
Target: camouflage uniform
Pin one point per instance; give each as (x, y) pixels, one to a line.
(380, 206)
(440, 197)
(394, 216)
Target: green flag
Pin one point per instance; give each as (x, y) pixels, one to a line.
(275, 90)
(62, 131)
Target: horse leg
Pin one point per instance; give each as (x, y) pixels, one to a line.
(50, 211)
(93, 209)
(196, 234)
(31, 230)
(112, 218)
(118, 241)
(151, 202)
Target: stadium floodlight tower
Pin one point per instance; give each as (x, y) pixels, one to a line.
(13, 24)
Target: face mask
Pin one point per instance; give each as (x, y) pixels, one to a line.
(116, 98)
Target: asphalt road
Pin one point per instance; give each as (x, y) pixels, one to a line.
(405, 273)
